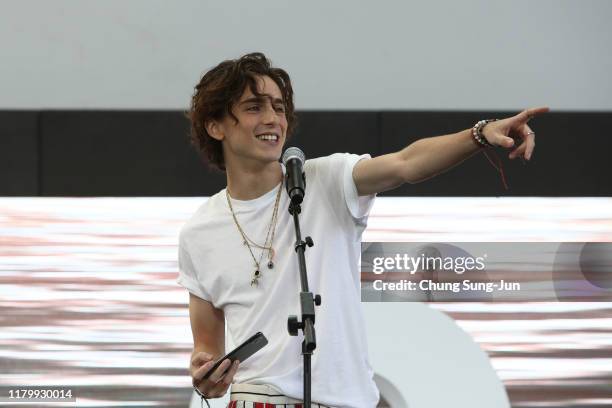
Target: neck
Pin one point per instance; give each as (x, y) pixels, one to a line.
(248, 183)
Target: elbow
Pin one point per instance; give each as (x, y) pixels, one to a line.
(412, 172)
(418, 177)
(415, 180)
(414, 164)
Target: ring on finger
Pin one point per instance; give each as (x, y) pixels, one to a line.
(530, 133)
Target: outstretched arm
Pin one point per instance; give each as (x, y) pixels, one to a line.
(428, 157)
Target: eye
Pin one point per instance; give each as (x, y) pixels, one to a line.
(279, 108)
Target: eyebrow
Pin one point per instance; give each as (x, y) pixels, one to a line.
(261, 98)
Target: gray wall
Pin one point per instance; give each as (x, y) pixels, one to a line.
(447, 55)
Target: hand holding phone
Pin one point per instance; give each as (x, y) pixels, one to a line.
(218, 380)
(212, 379)
(241, 353)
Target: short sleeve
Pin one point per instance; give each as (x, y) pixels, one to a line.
(188, 276)
(359, 206)
(334, 176)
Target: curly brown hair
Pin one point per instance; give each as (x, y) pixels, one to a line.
(218, 91)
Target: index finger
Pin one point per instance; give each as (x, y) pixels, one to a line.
(528, 114)
(199, 374)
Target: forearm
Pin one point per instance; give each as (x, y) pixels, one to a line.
(207, 327)
(430, 156)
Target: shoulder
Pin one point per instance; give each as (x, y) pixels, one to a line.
(326, 160)
(332, 161)
(202, 217)
(336, 163)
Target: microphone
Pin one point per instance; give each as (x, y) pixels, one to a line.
(293, 159)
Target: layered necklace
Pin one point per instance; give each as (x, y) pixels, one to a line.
(250, 244)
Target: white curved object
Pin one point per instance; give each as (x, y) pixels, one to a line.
(425, 355)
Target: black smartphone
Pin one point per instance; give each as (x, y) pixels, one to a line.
(242, 352)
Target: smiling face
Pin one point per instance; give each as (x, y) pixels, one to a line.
(259, 135)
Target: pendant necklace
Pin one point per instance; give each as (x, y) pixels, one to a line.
(267, 246)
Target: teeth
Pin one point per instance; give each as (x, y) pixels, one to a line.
(267, 137)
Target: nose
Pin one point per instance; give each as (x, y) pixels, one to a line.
(270, 116)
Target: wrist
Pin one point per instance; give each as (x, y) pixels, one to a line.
(202, 396)
(478, 135)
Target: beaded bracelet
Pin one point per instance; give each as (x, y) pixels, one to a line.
(477, 132)
(482, 142)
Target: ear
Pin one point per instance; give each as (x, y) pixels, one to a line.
(215, 130)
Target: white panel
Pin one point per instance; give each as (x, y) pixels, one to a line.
(467, 55)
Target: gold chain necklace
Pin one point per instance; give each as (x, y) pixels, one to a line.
(267, 246)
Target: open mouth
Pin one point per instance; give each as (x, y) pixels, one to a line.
(268, 137)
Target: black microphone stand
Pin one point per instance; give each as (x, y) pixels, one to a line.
(307, 303)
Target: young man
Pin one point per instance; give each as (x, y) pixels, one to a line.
(236, 253)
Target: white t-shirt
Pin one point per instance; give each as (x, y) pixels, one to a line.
(216, 266)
